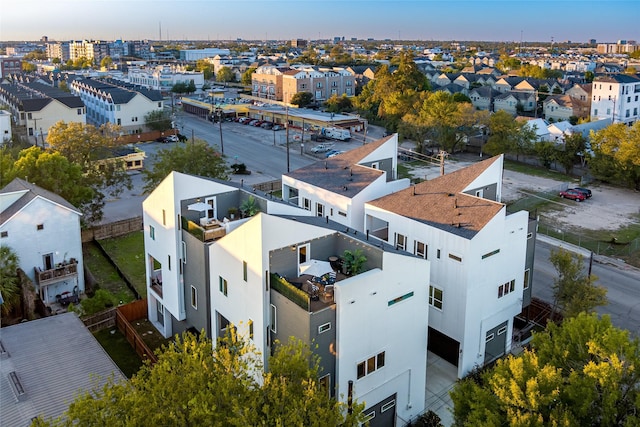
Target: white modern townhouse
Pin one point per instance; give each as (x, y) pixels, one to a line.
(285, 272)
(481, 258)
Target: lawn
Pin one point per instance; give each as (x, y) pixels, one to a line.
(128, 253)
(534, 170)
(119, 349)
(105, 274)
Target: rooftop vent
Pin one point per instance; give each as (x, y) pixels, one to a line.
(16, 385)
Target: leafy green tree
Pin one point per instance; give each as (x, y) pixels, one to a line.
(509, 136)
(302, 99)
(567, 153)
(9, 288)
(88, 147)
(106, 62)
(54, 172)
(196, 158)
(225, 75)
(28, 67)
(158, 120)
(573, 290)
(36, 55)
(205, 67)
(64, 86)
(180, 87)
(246, 76)
(546, 152)
(195, 385)
(616, 155)
(338, 104)
(581, 373)
(589, 76)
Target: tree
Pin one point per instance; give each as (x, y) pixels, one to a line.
(86, 145)
(179, 87)
(302, 99)
(616, 154)
(63, 86)
(581, 373)
(158, 120)
(225, 75)
(338, 104)
(205, 67)
(573, 290)
(195, 385)
(106, 62)
(546, 152)
(567, 153)
(54, 172)
(9, 287)
(589, 76)
(196, 158)
(246, 76)
(28, 67)
(509, 136)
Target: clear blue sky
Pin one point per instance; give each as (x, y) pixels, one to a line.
(498, 20)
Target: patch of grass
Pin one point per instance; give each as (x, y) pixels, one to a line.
(105, 274)
(119, 349)
(535, 170)
(150, 334)
(128, 253)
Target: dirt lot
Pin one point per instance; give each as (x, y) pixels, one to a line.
(609, 209)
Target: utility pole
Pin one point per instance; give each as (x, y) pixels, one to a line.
(287, 135)
(442, 154)
(220, 123)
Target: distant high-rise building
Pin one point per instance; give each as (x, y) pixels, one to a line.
(44, 39)
(592, 41)
(298, 43)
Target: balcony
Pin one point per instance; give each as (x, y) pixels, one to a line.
(58, 274)
(205, 233)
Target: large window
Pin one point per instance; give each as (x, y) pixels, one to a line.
(319, 209)
(401, 241)
(435, 297)
(372, 364)
(420, 249)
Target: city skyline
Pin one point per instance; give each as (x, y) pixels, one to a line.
(497, 20)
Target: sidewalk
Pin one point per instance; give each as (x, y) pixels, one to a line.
(586, 254)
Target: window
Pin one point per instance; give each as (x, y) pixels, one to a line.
(399, 299)
(319, 85)
(401, 241)
(40, 227)
(455, 257)
(250, 329)
(169, 262)
(319, 209)
(4, 234)
(488, 254)
(324, 327)
(29, 116)
(502, 330)
(388, 406)
(529, 235)
(223, 285)
(368, 417)
(420, 249)
(438, 254)
(370, 365)
(306, 204)
(325, 382)
(274, 319)
(526, 279)
(435, 297)
(79, 111)
(194, 298)
(164, 217)
(184, 252)
(344, 214)
(506, 288)
(152, 232)
(244, 270)
(489, 337)
(479, 193)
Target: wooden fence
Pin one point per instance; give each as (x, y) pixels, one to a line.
(113, 229)
(99, 321)
(124, 316)
(268, 186)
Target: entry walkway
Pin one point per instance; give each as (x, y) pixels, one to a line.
(441, 378)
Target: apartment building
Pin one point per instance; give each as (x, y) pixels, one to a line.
(207, 269)
(10, 65)
(163, 77)
(111, 101)
(282, 83)
(616, 97)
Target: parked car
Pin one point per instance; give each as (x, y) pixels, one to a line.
(252, 122)
(266, 125)
(573, 195)
(322, 148)
(335, 153)
(585, 191)
(258, 123)
(277, 127)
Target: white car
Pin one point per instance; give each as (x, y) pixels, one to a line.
(321, 148)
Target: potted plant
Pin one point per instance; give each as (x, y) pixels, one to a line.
(249, 207)
(353, 261)
(232, 212)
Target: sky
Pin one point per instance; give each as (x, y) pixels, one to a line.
(490, 20)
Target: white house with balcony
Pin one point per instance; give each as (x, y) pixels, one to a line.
(481, 258)
(616, 97)
(337, 188)
(254, 274)
(43, 229)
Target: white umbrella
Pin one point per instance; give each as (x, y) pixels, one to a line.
(315, 268)
(198, 206)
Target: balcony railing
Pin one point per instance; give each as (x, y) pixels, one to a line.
(280, 284)
(58, 274)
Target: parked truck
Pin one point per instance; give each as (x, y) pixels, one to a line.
(337, 133)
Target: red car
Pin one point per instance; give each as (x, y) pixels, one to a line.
(573, 195)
